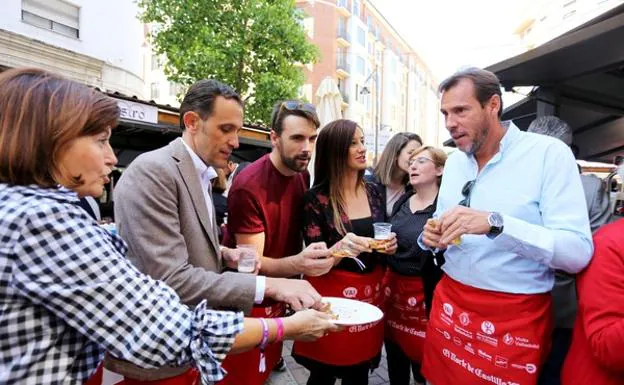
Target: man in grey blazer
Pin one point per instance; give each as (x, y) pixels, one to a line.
(164, 211)
(564, 291)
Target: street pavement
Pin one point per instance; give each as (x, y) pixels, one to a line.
(296, 374)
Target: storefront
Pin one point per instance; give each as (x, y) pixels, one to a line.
(145, 126)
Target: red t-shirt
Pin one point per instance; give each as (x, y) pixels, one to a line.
(261, 199)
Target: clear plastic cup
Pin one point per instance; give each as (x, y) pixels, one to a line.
(247, 259)
(382, 234)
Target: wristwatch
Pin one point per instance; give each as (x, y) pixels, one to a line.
(496, 225)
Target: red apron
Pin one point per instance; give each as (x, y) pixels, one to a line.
(482, 337)
(243, 368)
(355, 344)
(406, 315)
(96, 377)
(190, 377)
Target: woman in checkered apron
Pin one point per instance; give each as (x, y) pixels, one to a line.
(67, 292)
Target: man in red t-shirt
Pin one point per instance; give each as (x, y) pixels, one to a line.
(265, 208)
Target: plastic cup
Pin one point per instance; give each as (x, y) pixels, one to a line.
(382, 235)
(247, 258)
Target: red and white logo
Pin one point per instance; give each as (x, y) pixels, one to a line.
(368, 291)
(464, 319)
(448, 309)
(508, 339)
(469, 348)
(457, 341)
(447, 335)
(350, 292)
(530, 368)
(488, 328)
(412, 301)
(501, 362)
(268, 310)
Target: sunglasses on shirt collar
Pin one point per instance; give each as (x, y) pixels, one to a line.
(466, 192)
(293, 105)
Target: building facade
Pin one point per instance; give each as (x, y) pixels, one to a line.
(385, 85)
(97, 43)
(545, 20)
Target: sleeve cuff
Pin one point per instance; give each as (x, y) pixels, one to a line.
(260, 289)
(421, 244)
(212, 336)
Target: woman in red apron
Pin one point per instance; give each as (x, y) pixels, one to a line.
(412, 273)
(340, 209)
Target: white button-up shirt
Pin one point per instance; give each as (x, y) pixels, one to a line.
(206, 174)
(533, 181)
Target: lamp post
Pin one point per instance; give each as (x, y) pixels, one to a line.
(377, 102)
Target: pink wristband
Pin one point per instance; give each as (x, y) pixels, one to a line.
(280, 329)
(265, 334)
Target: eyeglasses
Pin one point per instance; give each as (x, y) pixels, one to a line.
(466, 191)
(293, 105)
(420, 160)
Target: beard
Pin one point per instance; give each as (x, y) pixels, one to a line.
(479, 139)
(297, 163)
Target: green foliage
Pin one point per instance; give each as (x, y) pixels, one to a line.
(253, 45)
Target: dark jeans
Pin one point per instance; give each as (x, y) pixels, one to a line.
(357, 376)
(551, 372)
(399, 366)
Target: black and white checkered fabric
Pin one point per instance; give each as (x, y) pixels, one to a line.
(67, 294)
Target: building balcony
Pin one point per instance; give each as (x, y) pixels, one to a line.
(342, 36)
(343, 7)
(342, 66)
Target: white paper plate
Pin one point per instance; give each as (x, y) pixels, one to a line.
(352, 312)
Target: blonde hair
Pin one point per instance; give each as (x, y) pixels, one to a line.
(438, 157)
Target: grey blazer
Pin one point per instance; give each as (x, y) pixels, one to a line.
(160, 211)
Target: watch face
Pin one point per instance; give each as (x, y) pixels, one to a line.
(495, 220)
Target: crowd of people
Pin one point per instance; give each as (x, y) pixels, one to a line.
(489, 275)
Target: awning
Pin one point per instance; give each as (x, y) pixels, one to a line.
(579, 77)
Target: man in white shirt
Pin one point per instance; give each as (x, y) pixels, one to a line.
(164, 211)
(510, 210)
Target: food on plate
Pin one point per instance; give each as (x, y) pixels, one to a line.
(327, 308)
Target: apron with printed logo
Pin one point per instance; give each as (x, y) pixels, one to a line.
(483, 337)
(405, 313)
(246, 368)
(355, 344)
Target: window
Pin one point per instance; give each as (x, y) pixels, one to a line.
(175, 89)
(356, 8)
(155, 62)
(154, 91)
(309, 26)
(360, 65)
(55, 15)
(361, 36)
